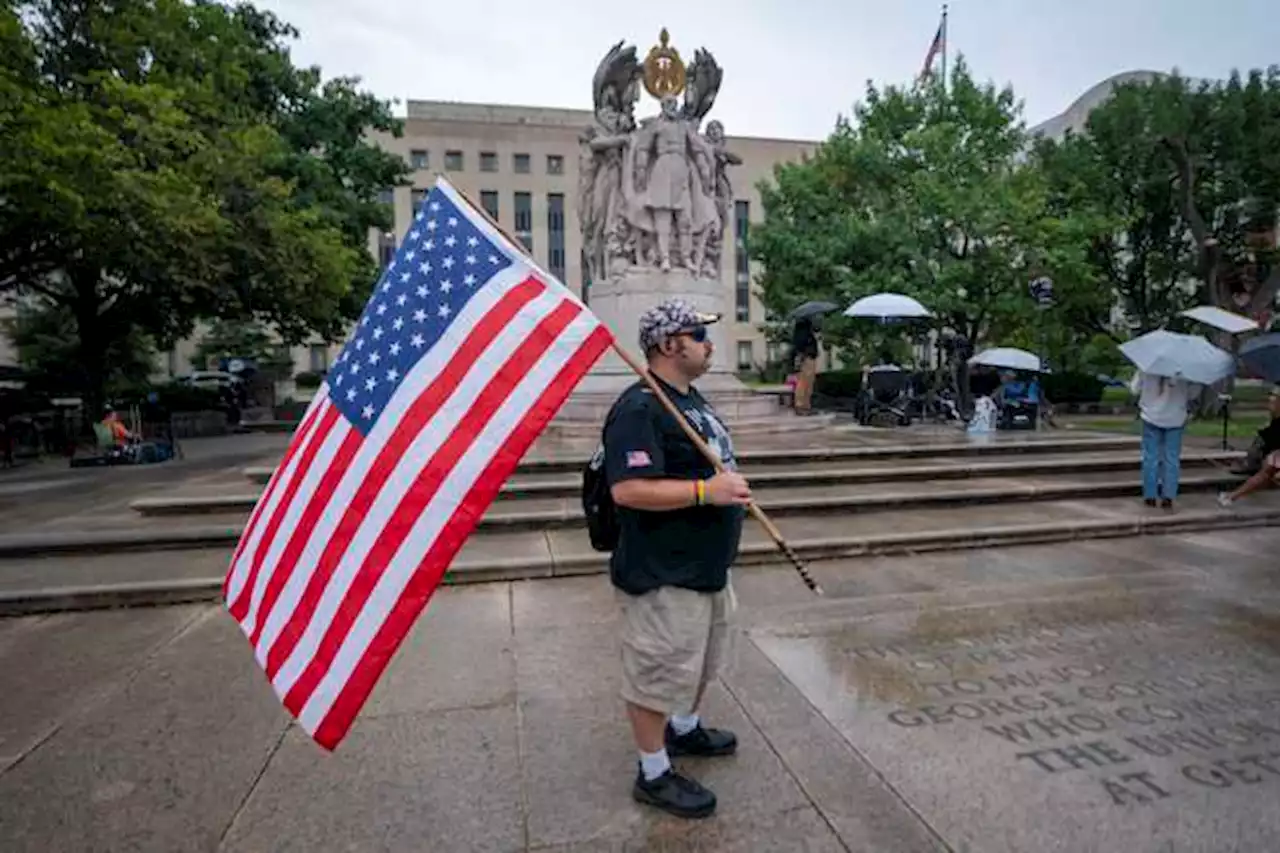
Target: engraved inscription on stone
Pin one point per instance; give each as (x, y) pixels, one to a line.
(1122, 734)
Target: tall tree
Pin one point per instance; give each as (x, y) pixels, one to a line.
(1139, 252)
(925, 192)
(165, 161)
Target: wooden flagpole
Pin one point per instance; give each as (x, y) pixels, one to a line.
(759, 514)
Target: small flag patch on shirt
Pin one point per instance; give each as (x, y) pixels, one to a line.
(638, 459)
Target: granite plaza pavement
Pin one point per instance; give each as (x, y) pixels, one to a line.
(1095, 695)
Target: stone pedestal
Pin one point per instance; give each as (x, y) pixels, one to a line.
(619, 302)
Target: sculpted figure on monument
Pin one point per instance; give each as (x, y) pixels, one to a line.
(722, 191)
(649, 197)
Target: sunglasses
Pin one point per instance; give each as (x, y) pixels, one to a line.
(698, 334)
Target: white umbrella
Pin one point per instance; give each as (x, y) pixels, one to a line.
(1216, 317)
(887, 306)
(1176, 356)
(1009, 358)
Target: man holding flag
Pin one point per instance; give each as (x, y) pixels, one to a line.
(463, 354)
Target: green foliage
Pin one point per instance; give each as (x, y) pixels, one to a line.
(1073, 388)
(922, 193)
(844, 384)
(247, 339)
(165, 162)
(45, 338)
(308, 379)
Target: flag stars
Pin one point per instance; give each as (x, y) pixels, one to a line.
(444, 311)
(370, 384)
(472, 242)
(367, 412)
(422, 291)
(359, 344)
(397, 324)
(351, 395)
(493, 259)
(414, 235)
(394, 349)
(374, 358)
(471, 260)
(381, 309)
(453, 222)
(446, 286)
(410, 255)
(431, 225)
(451, 241)
(469, 281)
(402, 299)
(419, 316)
(417, 341)
(447, 263)
(393, 375)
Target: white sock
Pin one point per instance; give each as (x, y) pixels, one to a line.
(654, 764)
(683, 724)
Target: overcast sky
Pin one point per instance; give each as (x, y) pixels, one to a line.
(790, 65)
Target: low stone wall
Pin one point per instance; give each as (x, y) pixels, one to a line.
(199, 424)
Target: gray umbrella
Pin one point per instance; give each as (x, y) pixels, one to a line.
(812, 309)
(1262, 356)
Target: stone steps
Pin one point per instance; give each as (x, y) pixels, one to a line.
(555, 486)
(835, 453)
(98, 580)
(801, 498)
(881, 504)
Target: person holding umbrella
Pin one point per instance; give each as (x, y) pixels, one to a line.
(1171, 369)
(804, 349)
(1164, 404)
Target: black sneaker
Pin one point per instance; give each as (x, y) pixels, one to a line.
(675, 794)
(701, 742)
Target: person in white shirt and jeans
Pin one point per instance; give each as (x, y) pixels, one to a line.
(1164, 404)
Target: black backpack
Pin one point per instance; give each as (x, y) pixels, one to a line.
(597, 503)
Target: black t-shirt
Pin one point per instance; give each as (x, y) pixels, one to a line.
(804, 341)
(692, 547)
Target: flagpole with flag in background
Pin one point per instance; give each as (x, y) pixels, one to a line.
(938, 47)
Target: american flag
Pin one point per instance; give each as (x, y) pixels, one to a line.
(463, 354)
(936, 47)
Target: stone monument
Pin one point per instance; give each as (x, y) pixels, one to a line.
(654, 198)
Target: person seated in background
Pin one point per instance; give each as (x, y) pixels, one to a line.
(1268, 474)
(119, 433)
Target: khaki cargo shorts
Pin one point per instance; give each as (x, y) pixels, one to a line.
(674, 642)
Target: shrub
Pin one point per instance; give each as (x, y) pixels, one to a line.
(838, 383)
(1073, 388)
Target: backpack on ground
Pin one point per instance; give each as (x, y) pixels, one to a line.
(597, 503)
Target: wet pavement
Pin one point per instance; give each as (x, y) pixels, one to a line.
(1102, 696)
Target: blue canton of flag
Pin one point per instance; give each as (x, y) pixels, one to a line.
(443, 261)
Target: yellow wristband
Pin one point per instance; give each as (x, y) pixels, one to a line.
(700, 492)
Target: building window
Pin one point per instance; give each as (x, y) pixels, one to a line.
(489, 201)
(386, 249)
(524, 219)
(488, 161)
(585, 272)
(520, 164)
(555, 164)
(418, 196)
(453, 161)
(555, 234)
(773, 353)
(387, 196)
(742, 262)
(319, 358)
(419, 159)
(746, 358)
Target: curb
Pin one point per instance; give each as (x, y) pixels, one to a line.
(160, 593)
(574, 464)
(778, 507)
(571, 488)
